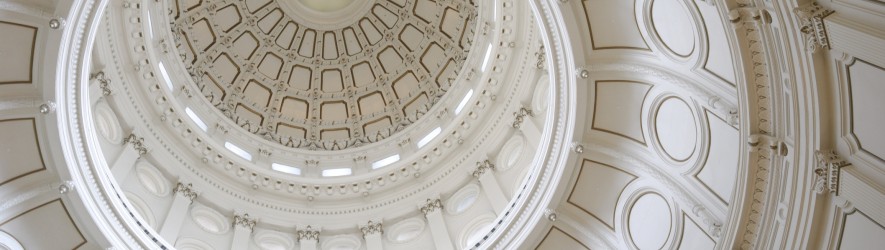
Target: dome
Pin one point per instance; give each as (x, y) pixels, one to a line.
(441, 124)
(279, 70)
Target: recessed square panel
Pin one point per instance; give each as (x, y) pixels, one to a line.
(17, 48)
(20, 151)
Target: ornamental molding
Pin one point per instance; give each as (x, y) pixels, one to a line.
(186, 190)
(244, 220)
(137, 143)
(371, 228)
(308, 233)
(430, 206)
(520, 116)
(811, 24)
(482, 167)
(826, 171)
(725, 107)
(541, 61)
(103, 82)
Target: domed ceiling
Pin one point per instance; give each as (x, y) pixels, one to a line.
(324, 75)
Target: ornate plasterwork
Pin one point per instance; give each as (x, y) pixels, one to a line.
(371, 227)
(826, 171)
(308, 233)
(137, 143)
(244, 220)
(482, 167)
(430, 206)
(308, 87)
(811, 21)
(519, 116)
(186, 190)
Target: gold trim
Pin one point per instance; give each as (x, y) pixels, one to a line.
(851, 106)
(654, 29)
(39, 150)
(309, 78)
(294, 35)
(255, 82)
(30, 79)
(311, 43)
(275, 24)
(355, 37)
(335, 41)
(629, 212)
(68, 214)
(378, 57)
(657, 133)
(682, 237)
(596, 105)
(620, 194)
(563, 232)
(706, 156)
(257, 44)
(593, 42)
(844, 220)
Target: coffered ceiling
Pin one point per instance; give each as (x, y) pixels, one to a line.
(308, 84)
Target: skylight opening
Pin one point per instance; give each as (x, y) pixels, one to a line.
(485, 61)
(238, 151)
(335, 172)
(150, 30)
(196, 119)
(285, 169)
(464, 102)
(166, 76)
(384, 162)
(429, 137)
(495, 10)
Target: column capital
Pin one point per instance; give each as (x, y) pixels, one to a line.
(186, 190)
(482, 167)
(137, 143)
(826, 171)
(520, 116)
(811, 20)
(244, 220)
(431, 205)
(371, 227)
(308, 233)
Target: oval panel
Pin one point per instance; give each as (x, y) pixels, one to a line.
(342, 242)
(151, 179)
(673, 25)
(405, 231)
(140, 207)
(542, 95)
(510, 153)
(675, 129)
(463, 199)
(192, 244)
(107, 124)
(476, 229)
(649, 221)
(272, 240)
(210, 220)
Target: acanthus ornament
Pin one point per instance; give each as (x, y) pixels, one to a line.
(431, 205)
(826, 171)
(103, 82)
(371, 228)
(308, 233)
(137, 143)
(520, 116)
(811, 18)
(244, 220)
(186, 190)
(482, 167)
